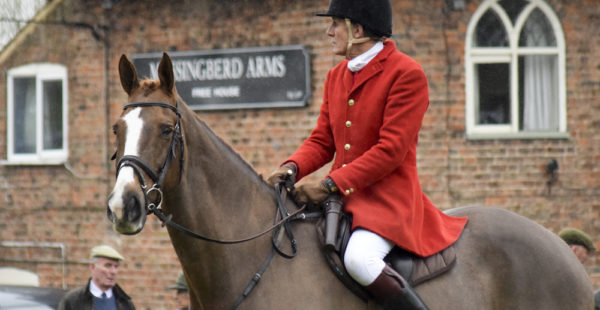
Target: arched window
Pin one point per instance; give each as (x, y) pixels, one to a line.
(37, 114)
(515, 71)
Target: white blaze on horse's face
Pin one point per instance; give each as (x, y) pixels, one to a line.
(125, 220)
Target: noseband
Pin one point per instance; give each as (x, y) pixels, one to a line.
(138, 165)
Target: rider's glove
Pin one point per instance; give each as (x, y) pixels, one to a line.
(314, 192)
(283, 173)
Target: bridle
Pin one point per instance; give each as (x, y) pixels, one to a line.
(138, 165)
(282, 218)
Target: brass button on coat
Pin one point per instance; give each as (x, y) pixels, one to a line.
(348, 123)
(351, 102)
(347, 147)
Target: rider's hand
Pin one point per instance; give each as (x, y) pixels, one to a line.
(311, 192)
(286, 171)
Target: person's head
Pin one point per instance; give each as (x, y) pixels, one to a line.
(578, 241)
(182, 297)
(357, 24)
(105, 266)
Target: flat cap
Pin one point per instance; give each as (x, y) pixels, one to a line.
(106, 251)
(578, 237)
(180, 283)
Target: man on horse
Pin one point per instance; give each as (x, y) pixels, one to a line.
(373, 106)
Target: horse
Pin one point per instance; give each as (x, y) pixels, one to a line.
(169, 159)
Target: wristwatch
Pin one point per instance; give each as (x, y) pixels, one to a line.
(330, 185)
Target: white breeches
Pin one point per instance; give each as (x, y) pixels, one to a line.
(364, 255)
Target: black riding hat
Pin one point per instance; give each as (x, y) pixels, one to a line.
(374, 15)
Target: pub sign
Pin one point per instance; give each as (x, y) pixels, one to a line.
(243, 78)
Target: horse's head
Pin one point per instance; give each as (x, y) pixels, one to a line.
(148, 138)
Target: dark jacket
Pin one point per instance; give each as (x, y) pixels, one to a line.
(82, 299)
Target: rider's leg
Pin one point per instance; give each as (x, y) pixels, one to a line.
(364, 261)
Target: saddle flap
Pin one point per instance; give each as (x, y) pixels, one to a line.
(433, 266)
(420, 269)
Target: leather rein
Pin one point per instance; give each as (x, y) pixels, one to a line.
(138, 165)
(282, 216)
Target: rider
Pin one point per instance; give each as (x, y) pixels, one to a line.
(373, 106)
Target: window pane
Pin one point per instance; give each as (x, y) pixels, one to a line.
(538, 93)
(537, 31)
(513, 8)
(53, 121)
(24, 115)
(494, 98)
(490, 31)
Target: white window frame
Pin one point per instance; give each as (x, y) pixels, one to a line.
(41, 72)
(510, 55)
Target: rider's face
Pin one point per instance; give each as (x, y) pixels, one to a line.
(339, 36)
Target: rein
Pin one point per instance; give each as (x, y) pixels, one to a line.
(282, 216)
(138, 165)
(166, 220)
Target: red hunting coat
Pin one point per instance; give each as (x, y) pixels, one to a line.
(371, 123)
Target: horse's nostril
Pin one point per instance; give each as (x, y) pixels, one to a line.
(133, 209)
(110, 215)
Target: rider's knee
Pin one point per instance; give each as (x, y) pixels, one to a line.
(363, 267)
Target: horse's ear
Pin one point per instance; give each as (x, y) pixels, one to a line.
(165, 74)
(129, 79)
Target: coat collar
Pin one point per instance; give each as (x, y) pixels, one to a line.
(371, 69)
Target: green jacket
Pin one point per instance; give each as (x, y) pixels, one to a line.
(81, 299)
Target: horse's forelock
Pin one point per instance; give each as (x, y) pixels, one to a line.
(149, 86)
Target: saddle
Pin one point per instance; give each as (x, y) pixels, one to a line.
(416, 270)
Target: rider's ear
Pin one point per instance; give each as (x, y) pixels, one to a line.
(165, 74)
(358, 31)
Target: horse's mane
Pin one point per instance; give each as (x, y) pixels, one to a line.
(227, 147)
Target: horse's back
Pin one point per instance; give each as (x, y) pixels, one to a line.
(506, 261)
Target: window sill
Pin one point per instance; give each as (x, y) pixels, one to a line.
(47, 162)
(519, 136)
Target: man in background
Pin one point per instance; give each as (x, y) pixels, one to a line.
(101, 291)
(582, 245)
(579, 242)
(182, 296)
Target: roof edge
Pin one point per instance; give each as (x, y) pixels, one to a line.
(13, 44)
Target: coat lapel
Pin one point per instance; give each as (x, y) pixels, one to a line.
(366, 73)
(372, 68)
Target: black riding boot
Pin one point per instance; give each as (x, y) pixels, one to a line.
(393, 292)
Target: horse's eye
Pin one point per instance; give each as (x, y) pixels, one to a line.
(166, 131)
(114, 129)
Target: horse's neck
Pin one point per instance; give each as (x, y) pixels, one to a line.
(217, 177)
(220, 196)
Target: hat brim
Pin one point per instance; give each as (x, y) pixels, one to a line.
(329, 14)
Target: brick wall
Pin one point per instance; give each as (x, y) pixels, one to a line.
(66, 204)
